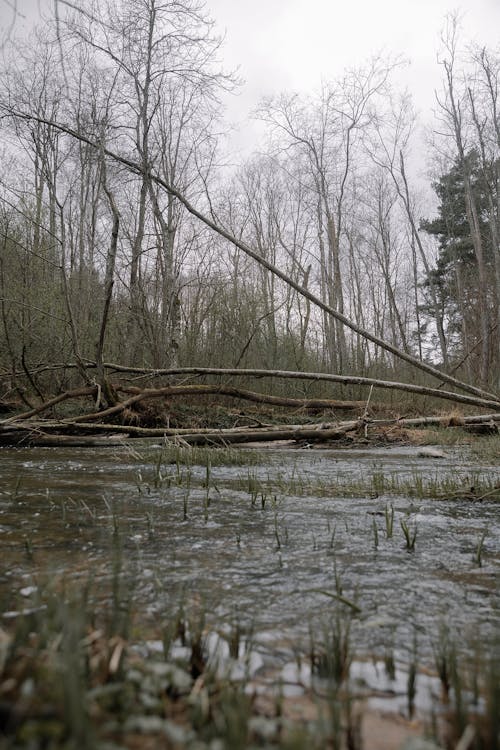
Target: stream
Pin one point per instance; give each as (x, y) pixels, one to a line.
(271, 544)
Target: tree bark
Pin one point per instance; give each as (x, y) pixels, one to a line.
(42, 433)
(489, 403)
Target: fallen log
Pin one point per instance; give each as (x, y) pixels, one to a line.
(66, 396)
(78, 441)
(488, 403)
(168, 392)
(444, 421)
(68, 427)
(310, 434)
(53, 432)
(254, 396)
(33, 439)
(137, 395)
(318, 433)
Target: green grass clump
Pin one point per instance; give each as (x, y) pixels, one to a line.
(201, 455)
(487, 450)
(477, 486)
(410, 535)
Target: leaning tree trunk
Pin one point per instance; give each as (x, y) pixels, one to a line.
(137, 168)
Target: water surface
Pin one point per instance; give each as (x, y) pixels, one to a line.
(271, 545)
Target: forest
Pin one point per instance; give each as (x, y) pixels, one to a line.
(129, 238)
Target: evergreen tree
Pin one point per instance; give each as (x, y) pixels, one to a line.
(455, 275)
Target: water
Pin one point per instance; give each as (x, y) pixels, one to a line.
(267, 545)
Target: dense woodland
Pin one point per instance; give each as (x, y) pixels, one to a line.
(111, 120)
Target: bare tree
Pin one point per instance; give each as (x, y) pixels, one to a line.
(390, 151)
(166, 84)
(453, 104)
(325, 134)
(484, 108)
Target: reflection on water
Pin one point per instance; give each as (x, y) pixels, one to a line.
(275, 560)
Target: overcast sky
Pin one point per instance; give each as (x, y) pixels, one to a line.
(294, 44)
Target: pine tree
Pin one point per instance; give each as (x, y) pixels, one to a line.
(455, 275)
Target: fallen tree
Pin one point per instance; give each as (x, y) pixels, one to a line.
(138, 168)
(106, 394)
(56, 433)
(136, 416)
(488, 403)
(137, 395)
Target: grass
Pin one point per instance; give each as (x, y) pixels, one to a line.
(478, 486)
(76, 672)
(478, 555)
(73, 676)
(411, 681)
(445, 660)
(410, 535)
(172, 466)
(487, 450)
(199, 455)
(331, 656)
(389, 521)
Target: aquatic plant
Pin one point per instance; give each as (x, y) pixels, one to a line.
(13, 495)
(198, 455)
(206, 503)
(477, 486)
(389, 521)
(409, 535)
(411, 682)
(158, 476)
(471, 691)
(280, 528)
(390, 664)
(491, 725)
(28, 547)
(150, 525)
(375, 533)
(458, 715)
(444, 659)
(124, 674)
(378, 483)
(331, 658)
(478, 555)
(101, 684)
(92, 512)
(276, 532)
(332, 538)
(63, 510)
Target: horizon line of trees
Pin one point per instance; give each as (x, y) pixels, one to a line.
(98, 262)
